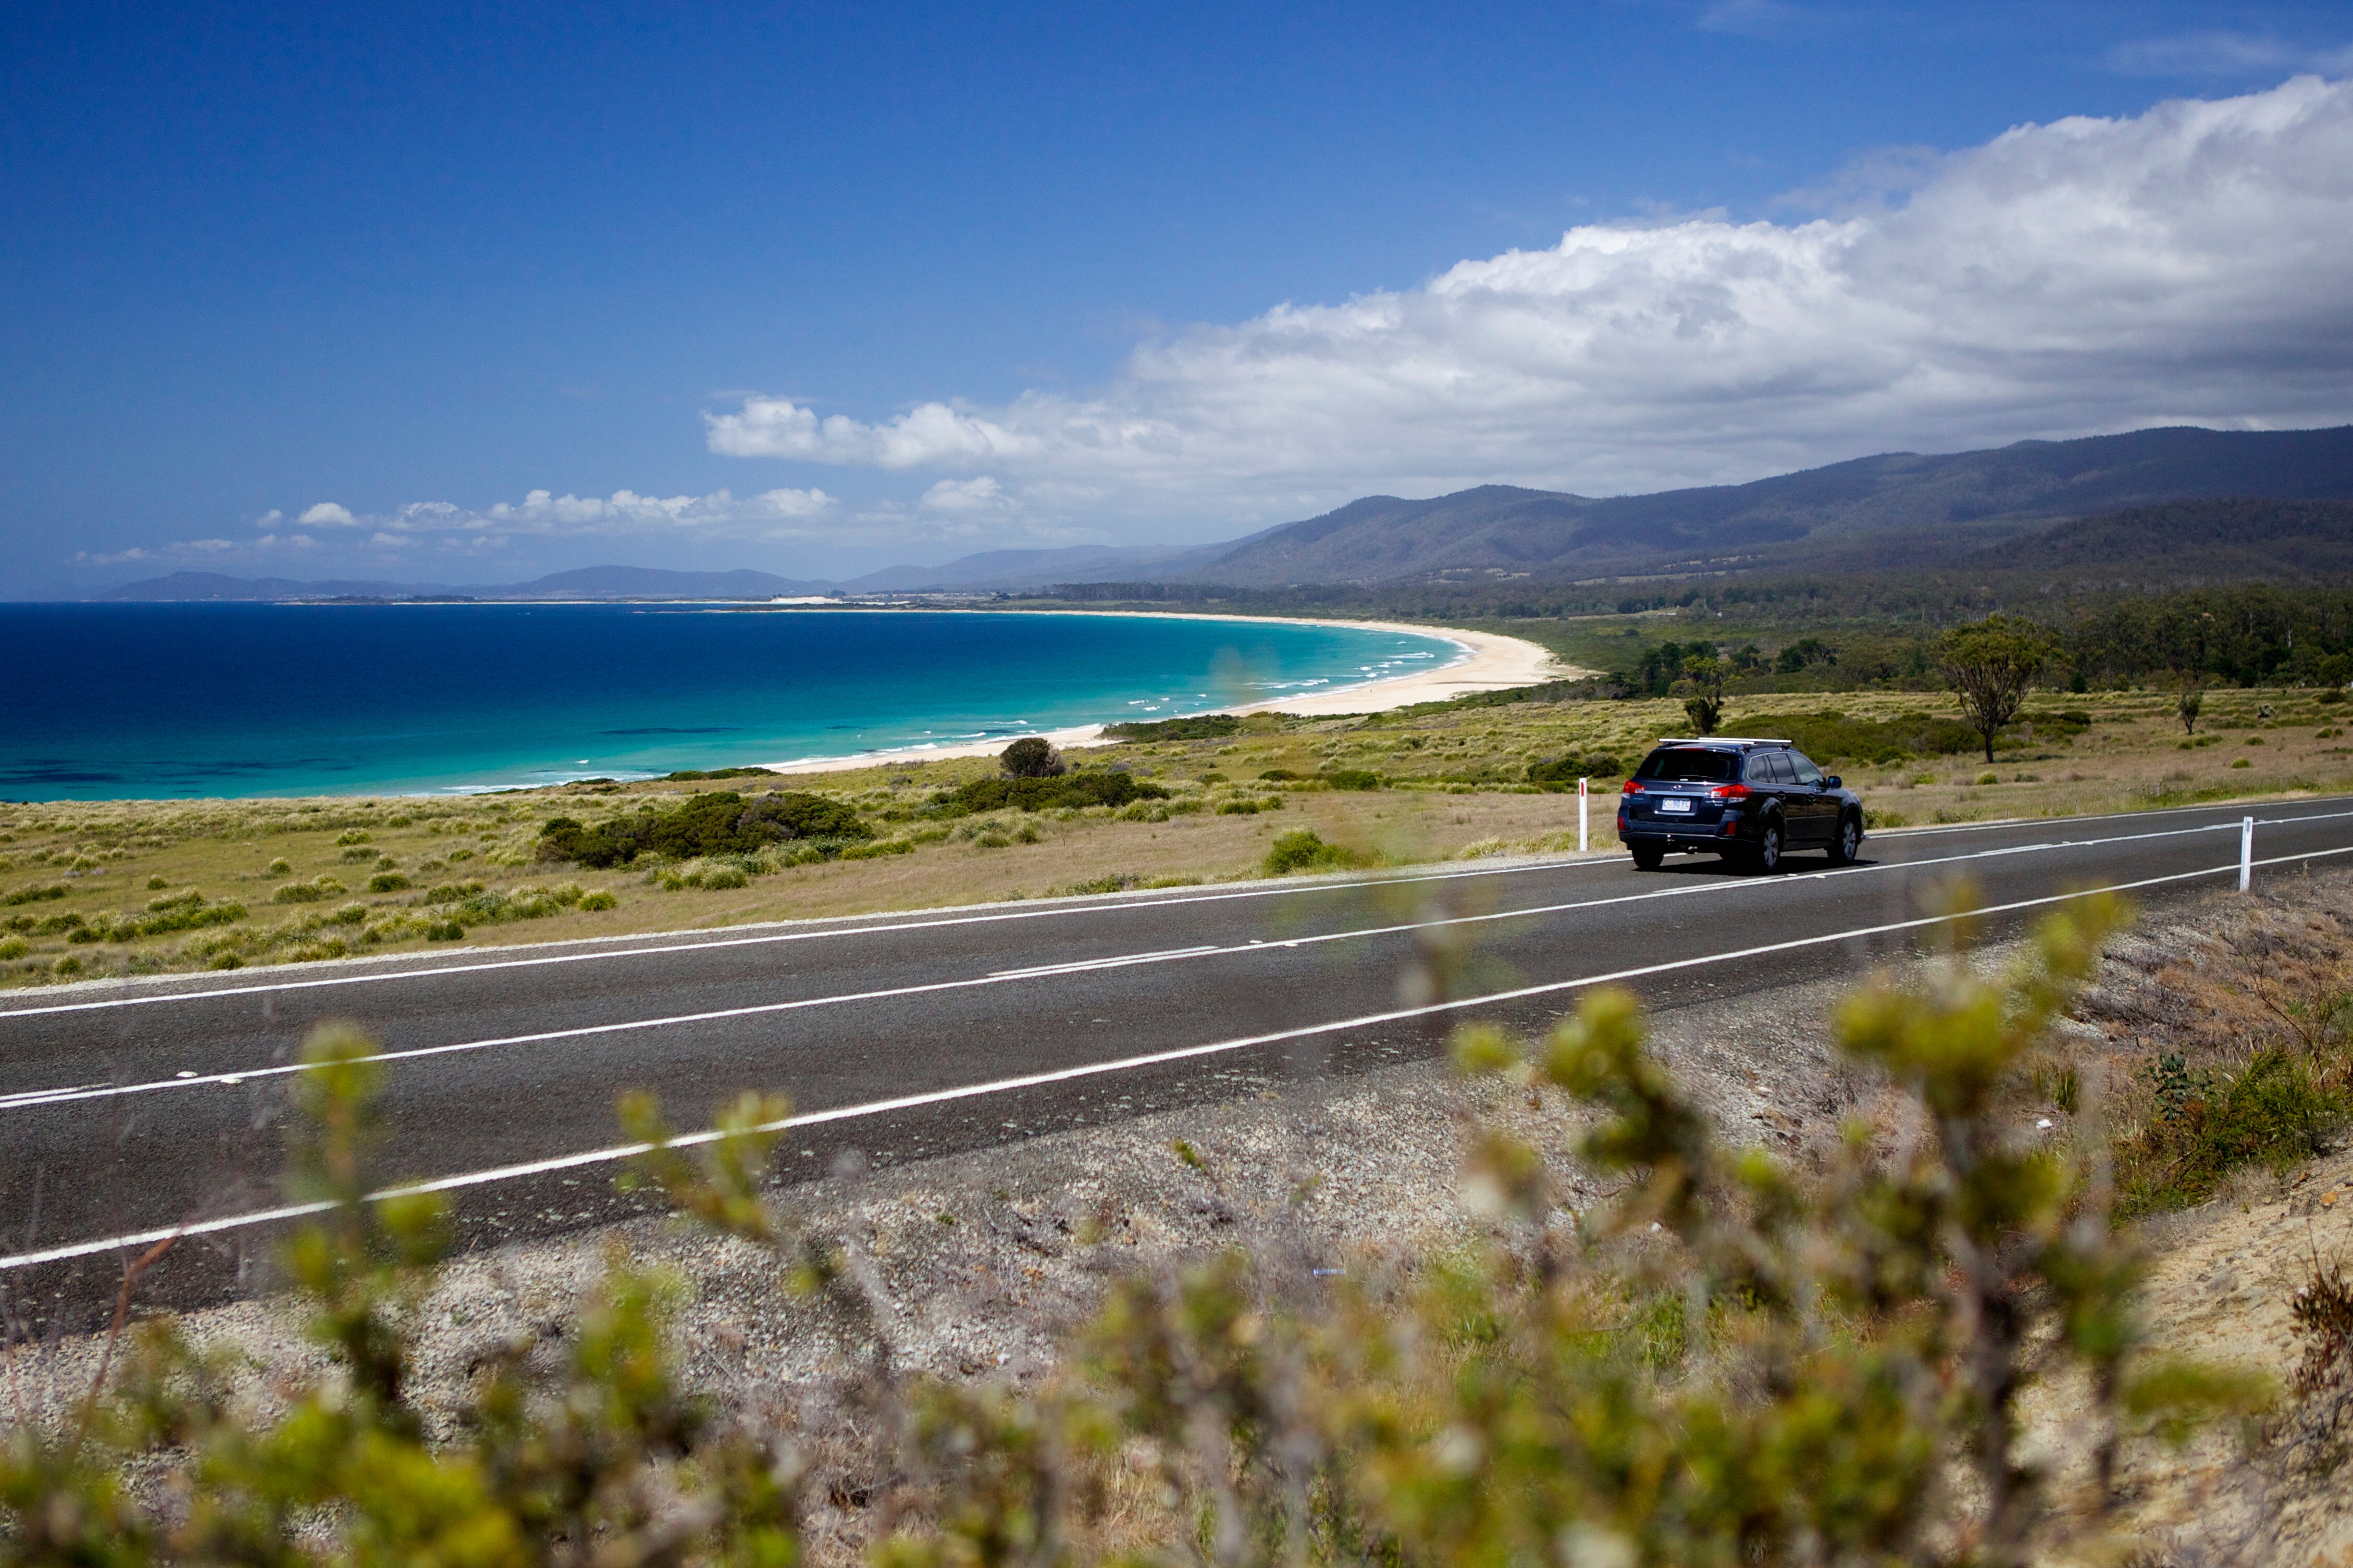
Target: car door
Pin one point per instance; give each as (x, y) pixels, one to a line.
(1811, 801)
(1768, 774)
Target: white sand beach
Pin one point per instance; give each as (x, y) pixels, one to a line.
(1488, 662)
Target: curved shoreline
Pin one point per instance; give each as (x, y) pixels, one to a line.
(1487, 661)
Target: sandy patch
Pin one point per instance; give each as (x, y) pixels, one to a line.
(1485, 662)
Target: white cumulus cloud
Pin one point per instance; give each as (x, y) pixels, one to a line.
(2184, 265)
(327, 512)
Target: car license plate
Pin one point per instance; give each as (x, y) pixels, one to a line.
(1672, 803)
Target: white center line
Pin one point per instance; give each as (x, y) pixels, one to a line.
(40, 1099)
(987, 917)
(619, 1152)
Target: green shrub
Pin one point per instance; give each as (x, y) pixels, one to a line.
(13, 948)
(721, 823)
(1351, 778)
(1031, 757)
(600, 899)
(2205, 1124)
(1302, 850)
(686, 775)
(1202, 727)
(2243, 763)
(1077, 790)
(358, 855)
(36, 895)
(718, 877)
(1280, 775)
(1562, 773)
(1239, 808)
(353, 835)
(386, 882)
(309, 892)
(282, 866)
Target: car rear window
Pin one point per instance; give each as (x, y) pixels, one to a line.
(1691, 763)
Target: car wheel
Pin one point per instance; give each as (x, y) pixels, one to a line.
(1848, 842)
(1648, 857)
(1766, 859)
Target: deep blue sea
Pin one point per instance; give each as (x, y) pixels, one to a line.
(114, 702)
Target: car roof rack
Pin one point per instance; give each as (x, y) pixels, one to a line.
(1720, 740)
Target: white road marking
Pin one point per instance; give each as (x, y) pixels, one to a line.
(619, 1152)
(39, 1099)
(994, 915)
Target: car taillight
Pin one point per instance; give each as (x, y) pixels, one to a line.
(1632, 786)
(1728, 792)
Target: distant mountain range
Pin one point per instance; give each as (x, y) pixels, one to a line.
(2193, 501)
(1900, 510)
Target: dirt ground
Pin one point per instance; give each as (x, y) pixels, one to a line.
(989, 1260)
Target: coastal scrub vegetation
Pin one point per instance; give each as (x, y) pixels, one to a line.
(1481, 776)
(1735, 1358)
(722, 823)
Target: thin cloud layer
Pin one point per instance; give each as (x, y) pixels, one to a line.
(446, 529)
(2184, 265)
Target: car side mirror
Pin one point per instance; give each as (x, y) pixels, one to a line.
(1832, 782)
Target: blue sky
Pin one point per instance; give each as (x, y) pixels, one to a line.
(698, 272)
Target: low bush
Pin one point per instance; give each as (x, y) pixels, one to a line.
(386, 882)
(309, 892)
(353, 835)
(1201, 727)
(1031, 757)
(721, 823)
(1301, 850)
(1077, 790)
(1562, 773)
(2205, 1123)
(600, 899)
(36, 895)
(689, 775)
(1351, 778)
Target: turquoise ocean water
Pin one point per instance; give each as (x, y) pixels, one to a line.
(112, 702)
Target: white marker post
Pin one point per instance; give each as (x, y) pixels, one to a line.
(2246, 853)
(1581, 795)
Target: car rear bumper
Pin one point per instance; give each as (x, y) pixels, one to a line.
(1731, 830)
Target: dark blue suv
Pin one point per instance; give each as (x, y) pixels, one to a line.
(1747, 801)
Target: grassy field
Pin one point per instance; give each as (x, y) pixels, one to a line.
(134, 888)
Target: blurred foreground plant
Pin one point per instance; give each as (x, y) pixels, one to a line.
(1734, 1360)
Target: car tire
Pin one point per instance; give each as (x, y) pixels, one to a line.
(1848, 842)
(1765, 858)
(1648, 857)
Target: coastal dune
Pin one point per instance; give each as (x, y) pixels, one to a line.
(1486, 662)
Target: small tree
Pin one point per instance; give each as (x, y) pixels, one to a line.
(1705, 676)
(1992, 666)
(1031, 758)
(2193, 698)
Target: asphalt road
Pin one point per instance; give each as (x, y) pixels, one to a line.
(130, 1110)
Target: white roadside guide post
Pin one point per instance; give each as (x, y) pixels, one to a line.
(1581, 793)
(2246, 853)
